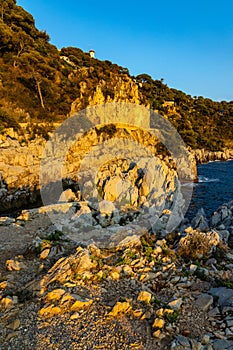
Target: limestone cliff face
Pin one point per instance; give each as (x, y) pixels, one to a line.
(20, 160)
(116, 89)
(19, 171)
(123, 90)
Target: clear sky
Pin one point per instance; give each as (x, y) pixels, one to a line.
(188, 43)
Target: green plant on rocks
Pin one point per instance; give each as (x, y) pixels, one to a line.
(80, 277)
(147, 241)
(55, 236)
(155, 302)
(168, 252)
(147, 247)
(132, 254)
(38, 248)
(200, 273)
(172, 317)
(224, 283)
(50, 240)
(148, 251)
(98, 260)
(198, 264)
(122, 261)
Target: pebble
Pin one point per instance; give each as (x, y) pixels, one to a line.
(79, 304)
(14, 325)
(192, 268)
(56, 294)
(75, 316)
(14, 265)
(206, 339)
(3, 285)
(11, 335)
(120, 307)
(50, 311)
(204, 301)
(175, 304)
(45, 253)
(157, 333)
(229, 323)
(144, 296)
(6, 303)
(158, 323)
(222, 344)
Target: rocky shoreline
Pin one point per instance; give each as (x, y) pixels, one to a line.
(100, 278)
(204, 156)
(21, 157)
(20, 166)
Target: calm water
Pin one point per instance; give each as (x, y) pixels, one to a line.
(215, 187)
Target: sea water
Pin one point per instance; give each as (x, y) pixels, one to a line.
(214, 188)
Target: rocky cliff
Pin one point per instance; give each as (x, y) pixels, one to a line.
(115, 89)
(19, 172)
(20, 160)
(205, 156)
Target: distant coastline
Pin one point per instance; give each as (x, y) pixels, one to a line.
(204, 156)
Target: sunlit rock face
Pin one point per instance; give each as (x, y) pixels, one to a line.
(205, 156)
(111, 188)
(121, 89)
(116, 182)
(123, 199)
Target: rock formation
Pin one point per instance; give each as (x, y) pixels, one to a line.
(204, 156)
(20, 160)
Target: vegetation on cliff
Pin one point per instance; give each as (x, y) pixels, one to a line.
(40, 83)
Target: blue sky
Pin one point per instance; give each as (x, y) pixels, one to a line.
(189, 44)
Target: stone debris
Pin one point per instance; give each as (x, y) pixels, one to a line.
(67, 196)
(50, 311)
(3, 285)
(55, 294)
(175, 304)
(221, 344)
(200, 221)
(158, 323)
(14, 265)
(176, 291)
(145, 296)
(120, 308)
(79, 304)
(6, 303)
(14, 325)
(45, 253)
(204, 301)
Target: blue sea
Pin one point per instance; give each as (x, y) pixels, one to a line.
(215, 187)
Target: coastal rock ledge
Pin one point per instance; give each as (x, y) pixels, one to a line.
(21, 156)
(204, 156)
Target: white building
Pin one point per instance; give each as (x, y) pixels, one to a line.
(92, 53)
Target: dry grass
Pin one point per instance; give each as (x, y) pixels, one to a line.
(196, 245)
